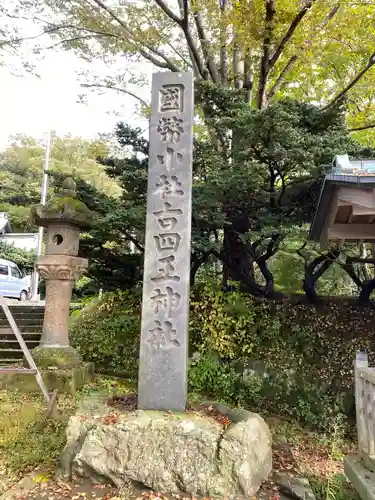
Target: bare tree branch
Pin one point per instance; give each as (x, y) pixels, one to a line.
(134, 241)
(34, 37)
(354, 81)
(168, 64)
(183, 22)
(288, 35)
(211, 65)
(188, 63)
(193, 49)
(69, 40)
(118, 89)
(223, 45)
(279, 82)
(265, 59)
(364, 127)
(169, 12)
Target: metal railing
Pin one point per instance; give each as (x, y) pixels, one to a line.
(365, 404)
(32, 370)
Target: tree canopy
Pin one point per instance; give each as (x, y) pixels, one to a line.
(251, 209)
(312, 51)
(21, 171)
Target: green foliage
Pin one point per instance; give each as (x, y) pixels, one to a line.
(335, 487)
(107, 332)
(25, 260)
(278, 357)
(21, 171)
(259, 189)
(221, 323)
(210, 377)
(295, 50)
(28, 439)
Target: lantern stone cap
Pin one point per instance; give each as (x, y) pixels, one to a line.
(64, 207)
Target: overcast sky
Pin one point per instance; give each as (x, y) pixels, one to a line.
(30, 105)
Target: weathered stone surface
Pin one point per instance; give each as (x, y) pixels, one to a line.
(64, 380)
(171, 452)
(244, 453)
(165, 306)
(294, 486)
(56, 357)
(58, 271)
(64, 206)
(362, 479)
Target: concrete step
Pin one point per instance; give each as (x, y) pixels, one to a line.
(7, 333)
(6, 354)
(360, 476)
(19, 371)
(22, 328)
(9, 349)
(22, 321)
(5, 342)
(26, 309)
(9, 361)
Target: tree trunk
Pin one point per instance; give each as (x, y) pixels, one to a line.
(238, 261)
(314, 271)
(366, 290)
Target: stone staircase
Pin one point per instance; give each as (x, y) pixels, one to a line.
(29, 319)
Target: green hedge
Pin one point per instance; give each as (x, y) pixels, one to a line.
(290, 358)
(107, 331)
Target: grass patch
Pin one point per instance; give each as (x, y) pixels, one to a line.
(28, 439)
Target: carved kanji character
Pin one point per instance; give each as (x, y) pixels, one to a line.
(170, 129)
(166, 270)
(167, 299)
(167, 218)
(167, 241)
(170, 159)
(163, 336)
(171, 98)
(169, 187)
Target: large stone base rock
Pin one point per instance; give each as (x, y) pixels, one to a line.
(170, 453)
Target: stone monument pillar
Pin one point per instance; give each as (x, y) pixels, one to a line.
(63, 217)
(165, 304)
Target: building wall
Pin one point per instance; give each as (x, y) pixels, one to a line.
(23, 241)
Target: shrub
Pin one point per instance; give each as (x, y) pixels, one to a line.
(212, 378)
(107, 332)
(287, 358)
(221, 322)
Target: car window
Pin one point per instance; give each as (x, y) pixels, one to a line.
(15, 272)
(3, 270)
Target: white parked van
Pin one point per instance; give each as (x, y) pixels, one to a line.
(12, 284)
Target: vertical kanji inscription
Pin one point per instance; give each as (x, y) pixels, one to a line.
(164, 332)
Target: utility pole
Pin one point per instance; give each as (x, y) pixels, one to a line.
(43, 199)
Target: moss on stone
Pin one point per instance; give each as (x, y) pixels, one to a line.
(65, 381)
(56, 357)
(62, 208)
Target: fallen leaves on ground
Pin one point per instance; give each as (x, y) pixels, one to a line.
(305, 452)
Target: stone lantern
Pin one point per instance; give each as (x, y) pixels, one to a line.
(63, 217)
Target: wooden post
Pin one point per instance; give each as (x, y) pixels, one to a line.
(361, 362)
